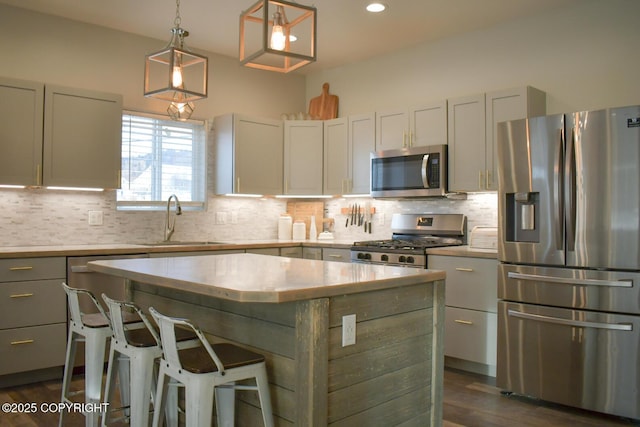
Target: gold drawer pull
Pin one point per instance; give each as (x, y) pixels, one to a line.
(21, 342)
(20, 295)
(464, 269)
(464, 322)
(20, 268)
(335, 256)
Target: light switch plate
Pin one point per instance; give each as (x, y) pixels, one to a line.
(95, 218)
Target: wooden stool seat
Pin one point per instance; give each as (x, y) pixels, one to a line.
(198, 361)
(144, 338)
(205, 369)
(98, 320)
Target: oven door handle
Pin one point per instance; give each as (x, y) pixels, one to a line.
(569, 322)
(80, 269)
(425, 175)
(625, 283)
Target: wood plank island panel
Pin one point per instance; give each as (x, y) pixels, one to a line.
(293, 314)
(386, 378)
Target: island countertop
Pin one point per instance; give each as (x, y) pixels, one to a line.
(262, 278)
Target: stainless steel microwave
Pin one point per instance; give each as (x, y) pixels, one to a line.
(409, 172)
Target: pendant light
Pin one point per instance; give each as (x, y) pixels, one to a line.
(176, 74)
(278, 35)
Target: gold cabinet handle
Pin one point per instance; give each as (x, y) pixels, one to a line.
(404, 137)
(20, 268)
(20, 295)
(463, 322)
(468, 270)
(489, 179)
(22, 342)
(480, 179)
(335, 256)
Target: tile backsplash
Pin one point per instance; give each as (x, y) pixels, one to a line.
(55, 217)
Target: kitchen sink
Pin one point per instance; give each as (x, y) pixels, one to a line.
(182, 243)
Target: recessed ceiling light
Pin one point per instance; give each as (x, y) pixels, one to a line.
(376, 7)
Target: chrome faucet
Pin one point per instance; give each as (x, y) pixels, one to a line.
(170, 225)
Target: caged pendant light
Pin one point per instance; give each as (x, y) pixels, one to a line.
(176, 74)
(278, 35)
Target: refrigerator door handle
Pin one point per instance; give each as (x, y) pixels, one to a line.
(570, 281)
(570, 187)
(569, 322)
(557, 197)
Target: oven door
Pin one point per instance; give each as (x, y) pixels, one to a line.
(414, 172)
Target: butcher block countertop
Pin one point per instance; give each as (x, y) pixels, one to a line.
(262, 278)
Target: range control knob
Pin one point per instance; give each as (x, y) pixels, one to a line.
(410, 260)
(384, 257)
(402, 258)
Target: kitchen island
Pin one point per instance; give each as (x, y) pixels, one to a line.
(291, 310)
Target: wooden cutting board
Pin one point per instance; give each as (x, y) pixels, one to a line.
(325, 106)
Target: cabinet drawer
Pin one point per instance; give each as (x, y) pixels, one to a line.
(470, 335)
(295, 252)
(341, 255)
(32, 303)
(26, 349)
(19, 269)
(471, 282)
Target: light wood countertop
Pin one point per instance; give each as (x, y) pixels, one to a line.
(464, 251)
(263, 278)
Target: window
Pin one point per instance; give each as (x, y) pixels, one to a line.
(161, 157)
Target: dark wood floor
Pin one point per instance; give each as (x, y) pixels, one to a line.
(469, 400)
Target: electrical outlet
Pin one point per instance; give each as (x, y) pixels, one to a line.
(95, 217)
(221, 217)
(348, 330)
(234, 217)
(380, 218)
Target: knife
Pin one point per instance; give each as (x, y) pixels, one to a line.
(346, 224)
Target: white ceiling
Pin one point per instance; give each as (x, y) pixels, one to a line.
(346, 32)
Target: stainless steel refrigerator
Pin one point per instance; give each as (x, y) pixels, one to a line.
(569, 251)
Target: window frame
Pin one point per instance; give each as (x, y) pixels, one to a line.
(199, 153)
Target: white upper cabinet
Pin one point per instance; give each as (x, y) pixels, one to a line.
(303, 154)
(336, 157)
(362, 137)
(82, 138)
(466, 149)
(414, 127)
(472, 141)
(57, 136)
(391, 129)
(348, 143)
(249, 155)
(428, 125)
(21, 113)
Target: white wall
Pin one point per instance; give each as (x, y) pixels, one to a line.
(583, 57)
(59, 51)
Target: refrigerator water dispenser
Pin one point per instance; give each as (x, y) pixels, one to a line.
(522, 217)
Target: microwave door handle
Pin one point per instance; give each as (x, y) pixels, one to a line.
(425, 175)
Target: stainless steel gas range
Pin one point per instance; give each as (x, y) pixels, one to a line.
(412, 235)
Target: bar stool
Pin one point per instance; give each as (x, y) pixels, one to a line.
(134, 347)
(94, 330)
(201, 368)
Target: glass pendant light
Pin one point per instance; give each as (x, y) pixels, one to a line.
(176, 74)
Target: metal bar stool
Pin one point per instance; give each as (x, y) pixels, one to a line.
(201, 368)
(94, 330)
(134, 347)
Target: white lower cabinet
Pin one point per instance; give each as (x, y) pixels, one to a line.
(470, 340)
(33, 315)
